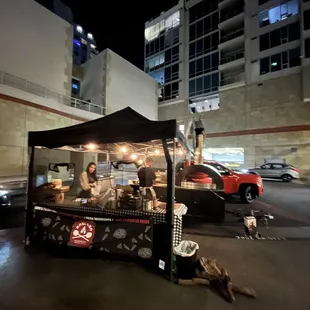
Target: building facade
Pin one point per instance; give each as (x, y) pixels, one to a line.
(35, 79)
(247, 67)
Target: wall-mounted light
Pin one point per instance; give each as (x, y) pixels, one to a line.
(92, 46)
(79, 29)
(90, 36)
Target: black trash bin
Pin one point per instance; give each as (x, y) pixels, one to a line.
(186, 259)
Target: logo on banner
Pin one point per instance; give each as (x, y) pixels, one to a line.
(82, 234)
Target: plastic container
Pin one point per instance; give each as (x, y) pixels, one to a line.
(186, 259)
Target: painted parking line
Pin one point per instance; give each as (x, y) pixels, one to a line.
(260, 238)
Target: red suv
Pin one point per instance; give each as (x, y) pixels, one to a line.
(247, 186)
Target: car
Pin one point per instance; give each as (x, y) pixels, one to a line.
(5, 199)
(285, 172)
(247, 185)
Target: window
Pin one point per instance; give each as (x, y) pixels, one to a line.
(307, 48)
(204, 45)
(156, 30)
(280, 61)
(159, 76)
(306, 20)
(75, 87)
(201, 9)
(154, 63)
(278, 13)
(204, 85)
(280, 36)
(204, 65)
(264, 65)
(294, 57)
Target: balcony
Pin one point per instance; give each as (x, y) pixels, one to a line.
(225, 3)
(233, 81)
(17, 83)
(232, 61)
(232, 40)
(231, 18)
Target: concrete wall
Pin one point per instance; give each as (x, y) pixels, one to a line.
(92, 84)
(14, 132)
(36, 45)
(127, 85)
(267, 121)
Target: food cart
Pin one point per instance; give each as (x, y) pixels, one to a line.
(55, 216)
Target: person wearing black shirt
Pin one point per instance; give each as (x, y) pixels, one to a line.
(147, 178)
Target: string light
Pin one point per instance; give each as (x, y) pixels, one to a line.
(180, 152)
(124, 149)
(133, 156)
(156, 152)
(91, 146)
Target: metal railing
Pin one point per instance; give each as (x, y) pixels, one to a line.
(34, 89)
(232, 35)
(233, 79)
(232, 57)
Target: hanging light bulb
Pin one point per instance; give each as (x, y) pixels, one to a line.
(157, 152)
(124, 149)
(133, 156)
(91, 146)
(180, 152)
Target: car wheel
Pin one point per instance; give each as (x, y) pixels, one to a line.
(286, 178)
(247, 194)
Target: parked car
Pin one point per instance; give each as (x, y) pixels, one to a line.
(248, 186)
(285, 172)
(5, 199)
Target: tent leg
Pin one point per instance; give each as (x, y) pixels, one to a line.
(170, 205)
(29, 209)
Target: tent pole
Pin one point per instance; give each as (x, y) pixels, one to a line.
(29, 210)
(169, 208)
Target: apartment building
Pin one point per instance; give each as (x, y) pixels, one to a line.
(244, 69)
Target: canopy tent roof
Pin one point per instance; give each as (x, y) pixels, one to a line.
(123, 126)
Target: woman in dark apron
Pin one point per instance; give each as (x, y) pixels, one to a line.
(88, 179)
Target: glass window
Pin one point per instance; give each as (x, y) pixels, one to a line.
(214, 20)
(215, 60)
(264, 42)
(275, 38)
(307, 20)
(207, 64)
(284, 59)
(215, 81)
(264, 65)
(307, 48)
(192, 50)
(215, 39)
(275, 62)
(284, 34)
(207, 24)
(167, 74)
(192, 88)
(199, 66)
(199, 28)
(174, 89)
(192, 32)
(167, 91)
(159, 75)
(294, 57)
(168, 57)
(207, 83)
(278, 13)
(294, 32)
(75, 87)
(175, 71)
(199, 86)
(207, 44)
(199, 47)
(192, 69)
(175, 53)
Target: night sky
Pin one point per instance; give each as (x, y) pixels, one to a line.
(118, 25)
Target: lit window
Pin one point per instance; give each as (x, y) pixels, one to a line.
(278, 13)
(90, 36)
(156, 30)
(79, 29)
(159, 76)
(155, 62)
(92, 46)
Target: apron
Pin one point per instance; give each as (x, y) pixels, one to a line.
(149, 193)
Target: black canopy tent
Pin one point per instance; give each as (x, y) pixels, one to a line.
(123, 126)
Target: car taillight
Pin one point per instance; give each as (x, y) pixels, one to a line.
(295, 169)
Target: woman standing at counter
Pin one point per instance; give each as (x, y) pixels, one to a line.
(88, 180)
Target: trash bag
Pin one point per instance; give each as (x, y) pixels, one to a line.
(186, 248)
